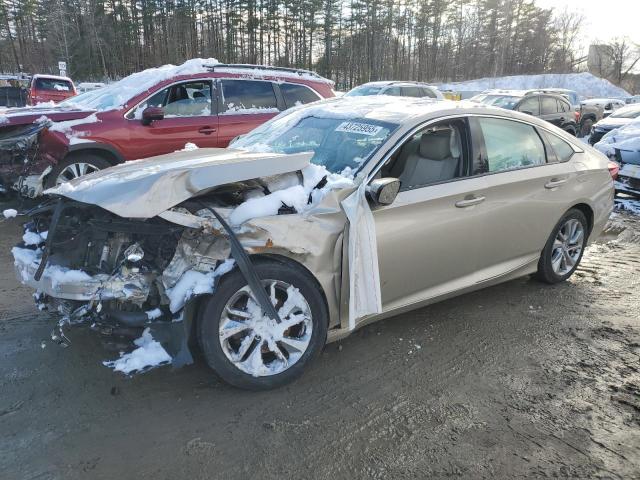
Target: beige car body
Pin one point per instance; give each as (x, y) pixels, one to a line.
(429, 249)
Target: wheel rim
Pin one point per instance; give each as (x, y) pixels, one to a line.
(567, 247)
(256, 344)
(75, 170)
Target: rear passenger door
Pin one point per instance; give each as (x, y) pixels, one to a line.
(243, 105)
(549, 111)
(528, 188)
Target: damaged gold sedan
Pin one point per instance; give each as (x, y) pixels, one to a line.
(324, 219)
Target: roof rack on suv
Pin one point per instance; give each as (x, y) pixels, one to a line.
(245, 66)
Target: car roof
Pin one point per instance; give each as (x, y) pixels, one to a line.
(383, 83)
(602, 100)
(404, 110)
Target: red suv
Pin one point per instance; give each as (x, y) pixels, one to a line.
(49, 88)
(149, 113)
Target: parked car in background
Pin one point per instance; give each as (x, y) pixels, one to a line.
(588, 114)
(633, 99)
(50, 88)
(622, 145)
(617, 119)
(553, 108)
(149, 113)
(89, 86)
(13, 91)
(500, 195)
(609, 105)
(396, 89)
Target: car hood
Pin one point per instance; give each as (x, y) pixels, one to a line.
(610, 123)
(146, 188)
(26, 115)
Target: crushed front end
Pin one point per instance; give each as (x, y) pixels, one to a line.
(27, 153)
(95, 268)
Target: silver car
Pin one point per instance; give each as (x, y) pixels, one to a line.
(324, 219)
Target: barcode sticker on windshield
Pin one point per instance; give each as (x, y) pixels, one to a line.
(357, 127)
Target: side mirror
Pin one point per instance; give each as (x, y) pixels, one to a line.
(150, 114)
(383, 191)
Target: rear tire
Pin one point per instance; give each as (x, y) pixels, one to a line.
(259, 356)
(564, 248)
(74, 166)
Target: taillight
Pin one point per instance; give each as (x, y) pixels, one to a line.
(614, 168)
(577, 114)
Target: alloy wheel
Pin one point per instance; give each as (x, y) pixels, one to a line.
(75, 170)
(567, 247)
(258, 345)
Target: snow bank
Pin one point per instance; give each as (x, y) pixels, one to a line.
(626, 137)
(149, 353)
(585, 84)
(9, 213)
(296, 196)
(195, 283)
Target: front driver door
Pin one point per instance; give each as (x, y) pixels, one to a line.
(189, 117)
(427, 239)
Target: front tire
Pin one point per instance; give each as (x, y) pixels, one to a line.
(249, 350)
(564, 248)
(75, 166)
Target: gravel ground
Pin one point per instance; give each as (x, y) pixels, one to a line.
(519, 380)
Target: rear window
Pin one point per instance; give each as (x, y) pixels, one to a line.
(295, 94)
(248, 95)
(53, 84)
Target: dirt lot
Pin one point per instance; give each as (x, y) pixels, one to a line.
(522, 379)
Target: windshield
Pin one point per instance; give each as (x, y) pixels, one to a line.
(626, 113)
(364, 90)
(503, 101)
(341, 145)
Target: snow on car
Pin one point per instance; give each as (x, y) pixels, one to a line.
(326, 218)
(148, 113)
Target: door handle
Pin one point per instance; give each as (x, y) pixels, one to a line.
(469, 201)
(208, 130)
(555, 182)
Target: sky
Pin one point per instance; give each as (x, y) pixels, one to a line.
(604, 19)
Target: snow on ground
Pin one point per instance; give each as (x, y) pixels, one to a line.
(585, 84)
(149, 353)
(9, 213)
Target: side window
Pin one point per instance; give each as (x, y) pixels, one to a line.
(245, 96)
(190, 99)
(562, 149)
(530, 105)
(393, 91)
(427, 92)
(548, 105)
(510, 145)
(432, 155)
(563, 106)
(295, 94)
(412, 92)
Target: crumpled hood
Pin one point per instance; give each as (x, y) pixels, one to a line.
(26, 115)
(146, 188)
